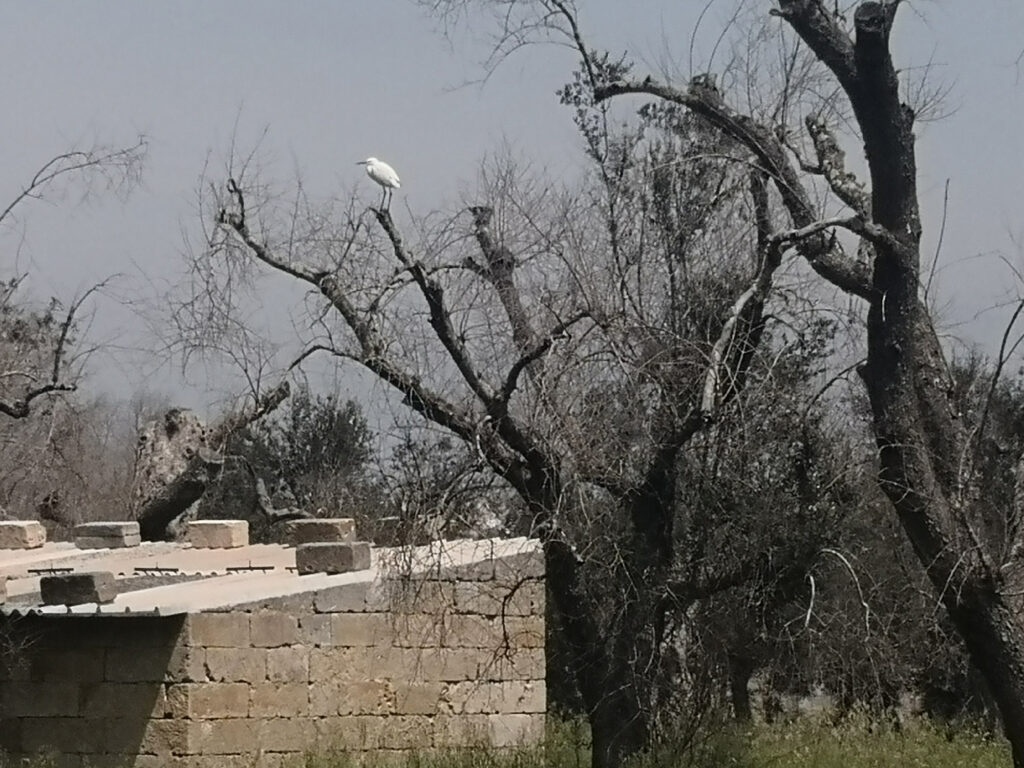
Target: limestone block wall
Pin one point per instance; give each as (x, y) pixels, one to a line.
(449, 660)
(94, 687)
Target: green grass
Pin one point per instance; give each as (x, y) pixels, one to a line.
(802, 744)
(808, 744)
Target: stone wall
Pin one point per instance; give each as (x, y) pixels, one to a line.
(389, 665)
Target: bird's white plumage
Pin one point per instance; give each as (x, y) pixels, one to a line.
(383, 174)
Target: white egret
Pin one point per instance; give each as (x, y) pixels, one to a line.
(383, 174)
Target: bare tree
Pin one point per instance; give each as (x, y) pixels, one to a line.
(578, 341)
(926, 450)
(34, 360)
(44, 345)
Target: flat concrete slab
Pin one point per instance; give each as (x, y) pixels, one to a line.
(225, 577)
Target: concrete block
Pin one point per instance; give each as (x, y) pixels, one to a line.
(186, 665)
(519, 664)
(324, 696)
(107, 535)
(10, 734)
(236, 665)
(524, 631)
(129, 734)
(338, 529)
(222, 737)
(162, 737)
(279, 734)
(61, 734)
(347, 664)
(218, 630)
(288, 665)
(77, 588)
(350, 733)
(510, 697)
(35, 699)
(218, 534)
(347, 598)
(361, 629)
(273, 629)
(67, 665)
(332, 557)
(514, 730)
(406, 732)
(279, 700)
(417, 595)
(494, 730)
(53, 760)
(21, 534)
(364, 697)
(371, 732)
(113, 700)
(417, 698)
(469, 631)
(460, 731)
(315, 630)
(493, 599)
(419, 630)
(136, 665)
(450, 664)
(199, 701)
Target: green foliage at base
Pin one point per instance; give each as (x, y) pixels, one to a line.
(809, 744)
(801, 744)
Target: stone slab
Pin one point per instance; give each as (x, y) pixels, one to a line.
(107, 535)
(77, 588)
(296, 532)
(218, 534)
(332, 557)
(21, 534)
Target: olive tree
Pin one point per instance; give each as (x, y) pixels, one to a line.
(928, 451)
(579, 339)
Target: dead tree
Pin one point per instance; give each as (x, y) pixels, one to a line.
(37, 365)
(179, 459)
(519, 389)
(924, 448)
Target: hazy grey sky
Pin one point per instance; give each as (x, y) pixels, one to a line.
(338, 81)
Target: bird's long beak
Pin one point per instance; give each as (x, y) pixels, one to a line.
(361, 162)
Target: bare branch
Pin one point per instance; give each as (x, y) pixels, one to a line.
(534, 354)
(265, 404)
(118, 166)
(21, 407)
(832, 163)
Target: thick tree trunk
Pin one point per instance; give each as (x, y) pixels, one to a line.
(617, 727)
(177, 496)
(741, 669)
(994, 634)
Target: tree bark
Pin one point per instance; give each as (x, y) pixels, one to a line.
(919, 446)
(178, 495)
(741, 669)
